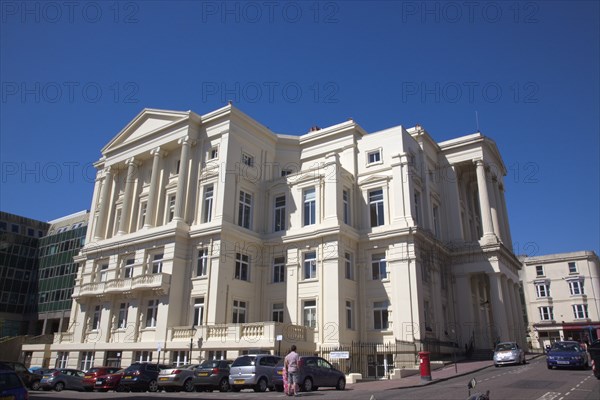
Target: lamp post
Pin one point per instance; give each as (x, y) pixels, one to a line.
(192, 342)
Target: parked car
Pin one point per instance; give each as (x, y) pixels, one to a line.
(104, 383)
(567, 354)
(213, 374)
(175, 379)
(63, 378)
(253, 371)
(594, 350)
(30, 379)
(315, 372)
(141, 377)
(11, 386)
(508, 353)
(277, 378)
(92, 374)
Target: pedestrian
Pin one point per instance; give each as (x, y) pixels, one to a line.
(291, 368)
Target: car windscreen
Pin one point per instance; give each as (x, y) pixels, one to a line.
(505, 346)
(10, 380)
(244, 361)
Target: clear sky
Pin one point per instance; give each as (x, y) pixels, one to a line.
(74, 73)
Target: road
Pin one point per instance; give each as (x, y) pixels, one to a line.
(532, 381)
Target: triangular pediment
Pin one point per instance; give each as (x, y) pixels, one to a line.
(145, 124)
(374, 179)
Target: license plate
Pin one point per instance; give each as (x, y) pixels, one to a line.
(99, 382)
(202, 373)
(163, 379)
(7, 398)
(238, 382)
(280, 372)
(562, 362)
(127, 377)
(87, 376)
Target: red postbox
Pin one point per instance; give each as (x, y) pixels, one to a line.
(425, 366)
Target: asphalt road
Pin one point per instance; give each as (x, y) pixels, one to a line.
(532, 381)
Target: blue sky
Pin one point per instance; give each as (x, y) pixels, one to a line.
(73, 74)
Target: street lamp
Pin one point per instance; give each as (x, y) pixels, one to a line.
(192, 341)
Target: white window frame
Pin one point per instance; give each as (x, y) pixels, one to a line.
(62, 359)
(309, 313)
(542, 290)
(279, 216)
(379, 262)
(156, 264)
(247, 159)
(180, 358)
(202, 262)
(122, 317)
(376, 207)
(572, 267)
(86, 360)
(375, 157)
(128, 264)
(576, 287)
(152, 313)
(417, 203)
(546, 313)
(278, 270)
(349, 314)
(213, 153)
(309, 206)
(309, 265)
(171, 201)
(277, 312)
(435, 212)
(349, 265)
(539, 270)
(143, 213)
(242, 267)
(207, 202)
(245, 209)
(239, 311)
(96, 317)
(381, 311)
(142, 356)
(199, 304)
(347, 215)
(580, 311)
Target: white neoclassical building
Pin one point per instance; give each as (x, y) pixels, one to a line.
(213, 227)
(562, 294)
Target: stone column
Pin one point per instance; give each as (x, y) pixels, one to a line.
(398, 195)
(126, 209)
(407, 192)
(498, 303)
(508, 307)
(180, 195)
(519, 323)
(332, 187)
(508, 240)
(484, 200)
(157, 154)
(500, 218)
(494, 210)
(464, 306)
(103, 205)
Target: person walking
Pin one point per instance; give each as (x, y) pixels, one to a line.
(291, 368)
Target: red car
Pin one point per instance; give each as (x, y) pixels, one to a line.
(103, 379)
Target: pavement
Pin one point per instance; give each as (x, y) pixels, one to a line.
(449, 371)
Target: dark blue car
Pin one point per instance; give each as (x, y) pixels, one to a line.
(567, 354)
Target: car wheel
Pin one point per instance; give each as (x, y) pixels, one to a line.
(120, 388)
(261, 386)
(188, 386)
(152, 386)
(308, 385)
(59, 386)
(341, 385)
(496, 365)
(279, 388)
(224, 385)
(549, 366)
(35, 385)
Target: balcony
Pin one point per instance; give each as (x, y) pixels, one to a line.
(157, 282)
(257, 335)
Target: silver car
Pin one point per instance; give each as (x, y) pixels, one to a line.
(176, 379)
(253, 371)
(63, 378)
(508, 353)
